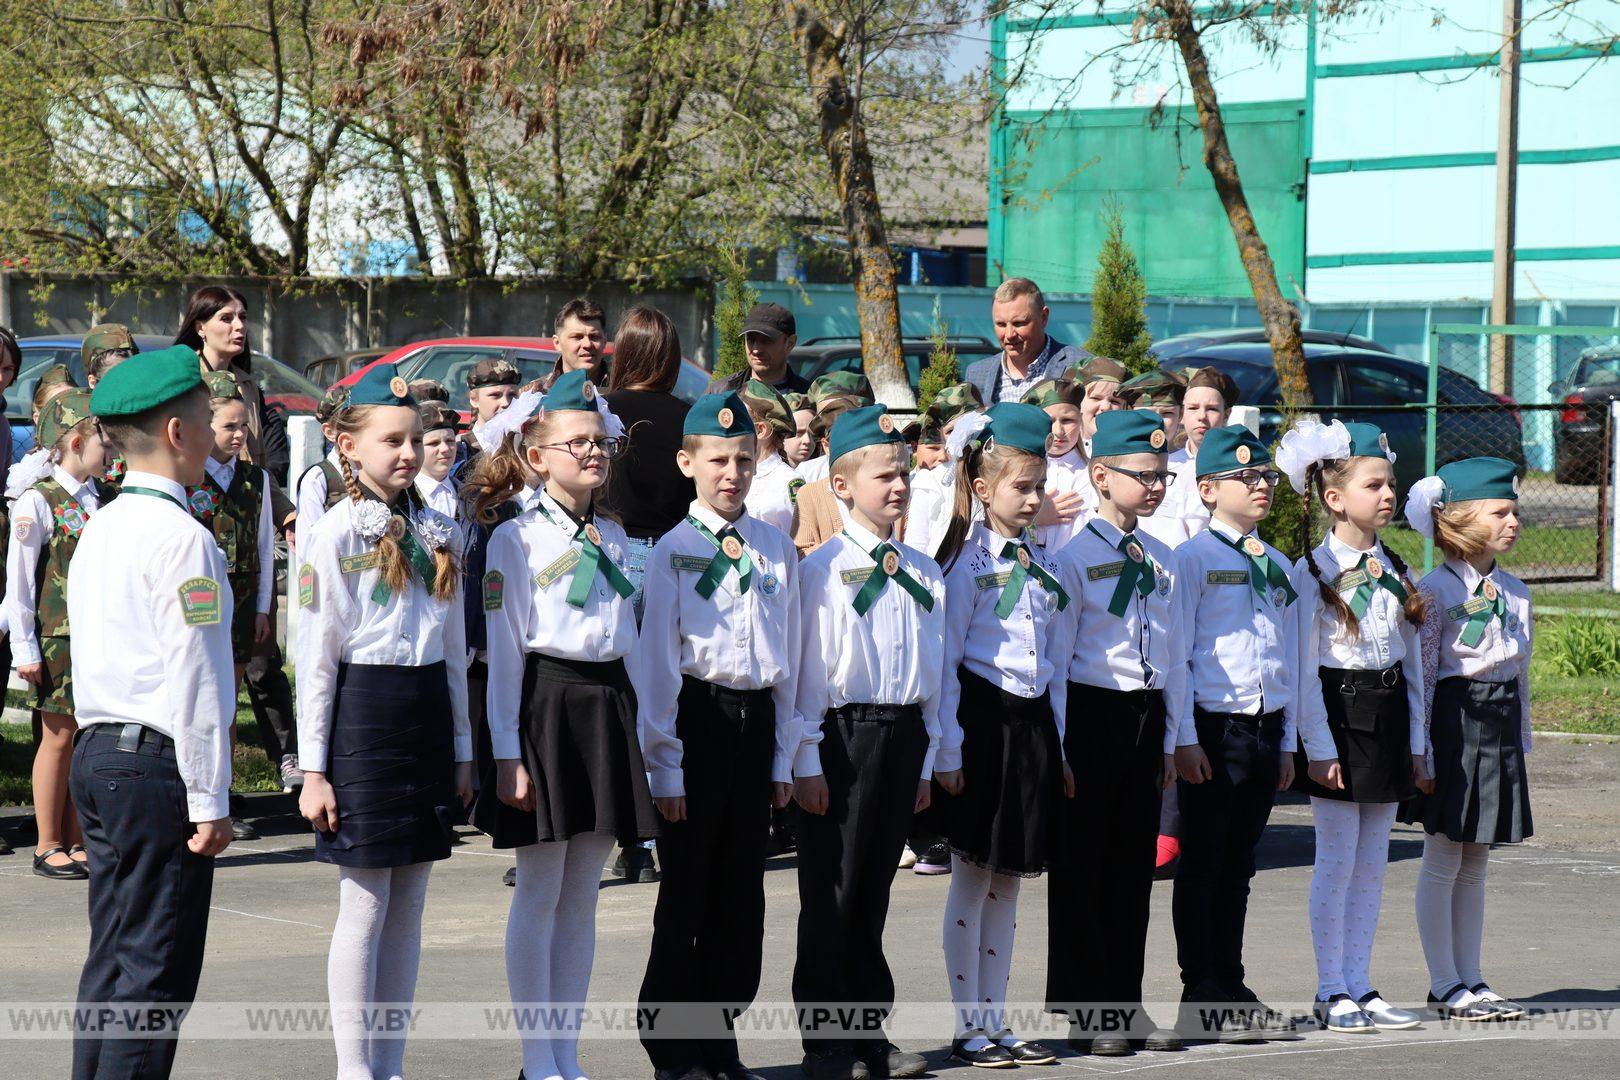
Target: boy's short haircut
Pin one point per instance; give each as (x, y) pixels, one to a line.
(135, 434)
(847, 465)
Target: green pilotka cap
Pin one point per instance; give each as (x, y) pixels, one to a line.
(869, 426)
(723, 416)
(146, 381)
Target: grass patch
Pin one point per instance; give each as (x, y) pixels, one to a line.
(1542, 549)
(1572, 675)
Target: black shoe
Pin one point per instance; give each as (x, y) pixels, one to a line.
(1274, 1025)
(936, 860)
(1158, 1039)
(834, 1066)
(1209, 1014)
(735, 1071)
(1167, 872)
(990, 1056)
(691, 1072)
(1474, 1011)
(71, 872)
(638, 865)
(1110, 1046)
(1505, 1009)
(1023, 1053)
(5, 846)
(887, 1059)
(510, 877)
(241, 830)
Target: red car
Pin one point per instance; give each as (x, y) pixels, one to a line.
(451, 360)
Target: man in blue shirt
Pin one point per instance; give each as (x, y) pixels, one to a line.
(1028, 353)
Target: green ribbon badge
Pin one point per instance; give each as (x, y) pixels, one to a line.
(1372, 575)
(1024, 568)
(592, 560)
(1139, 575)
(1495, 607)
(729, 553)
(888, 567)
(1264, 574)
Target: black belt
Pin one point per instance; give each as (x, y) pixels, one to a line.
(1351, 680)
(725, 697)
(877, 714)
(1248, 720)
(130, 736)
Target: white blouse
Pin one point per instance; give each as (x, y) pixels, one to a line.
(770, 498)
(1502, 654)
(1068, 473)
(1181, 514)
(928, 515)
(31, 527)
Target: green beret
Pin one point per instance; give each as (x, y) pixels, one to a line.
(381, 385)
(1054, 392)
(1153, 389)
(146, 381)
(1479, 478)
(955, 400)
(62, 414)
(1228, 449)
(763, 399)
(222, 386)
(724, 416)
(105, 338)
(437, 416)
(839, 384)
(1216, 380)
(1128, 431)
(1368, 440)
(857, 428)
(573, 392)
(1018, 425)
(1099, 369)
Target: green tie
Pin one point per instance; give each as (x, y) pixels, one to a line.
(1024, 568)
(1264, 573)
(592, 559)
(1374, 574)
(729, 552)
(1136, 576)
(1495, 608)
(888, 566)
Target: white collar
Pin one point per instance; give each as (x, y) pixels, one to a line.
(861, 537)
(1071, 458)
(1465, 570)
(992, 541)
(769, 464)
(1106, 529)
(72, 484)
(1229, 531)
(713, 521)
(429, 486)
(1345, 555)
(156, 483)
(223, 472)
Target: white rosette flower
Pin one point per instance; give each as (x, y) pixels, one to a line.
(371, 520)
(1425, 495)
(966, 430)
(433, 528)
(1310, 443)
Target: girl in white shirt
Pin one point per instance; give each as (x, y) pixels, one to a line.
(569, 774)
(770, 497)
(382, 713)
(1476, 641)
(1360, 715)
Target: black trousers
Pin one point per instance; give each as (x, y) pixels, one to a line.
(148, 899)
(1222, 820)
(709, 924)
(271, 696)
(872, 757)
(1103, 876)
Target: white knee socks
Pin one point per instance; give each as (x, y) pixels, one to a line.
(1347, 889)
(980, 912)
(550, 945)
(376, 949)
(1451, 911)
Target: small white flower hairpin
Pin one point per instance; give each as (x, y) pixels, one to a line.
(966, 430)
(371, 519)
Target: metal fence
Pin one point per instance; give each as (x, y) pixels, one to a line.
(1538, 396)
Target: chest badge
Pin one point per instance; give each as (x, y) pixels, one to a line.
(770, 584)
(732, 547)
(1375, 569)
(1252, 546)
(891, 563)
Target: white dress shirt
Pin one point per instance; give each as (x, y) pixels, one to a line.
(812, 469)
(770, 499)
(1243, 647)
(135, 656)
(742, 641)
(539, 545)
(1068, 473)
(223, 473)
(439, 494)
(310, 499)
(928, 514)
(891, 656)
(1501, 655)
(1386, 638)
(32, 525)
(1093, 646)
(1012, 653)
(341, 623)
(1181, 514)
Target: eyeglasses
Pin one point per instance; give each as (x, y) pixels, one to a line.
(1146, 477)
(580, 449)
(1253, 478)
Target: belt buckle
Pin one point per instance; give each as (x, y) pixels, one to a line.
(1346, 687)
(129, 738)
(1388, 676)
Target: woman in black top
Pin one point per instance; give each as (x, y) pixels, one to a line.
(645, 489)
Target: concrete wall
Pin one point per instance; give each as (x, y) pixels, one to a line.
(299, 321)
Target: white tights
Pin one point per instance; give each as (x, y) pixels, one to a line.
(376, 947)
(1451, 911)
(550, 944)
(980, 912)
(1347, 888)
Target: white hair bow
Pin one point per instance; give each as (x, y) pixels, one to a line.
(614, 426)
(966, 430)
(1309, 443)
(1425, 495)
(33, 467)
(509, 421)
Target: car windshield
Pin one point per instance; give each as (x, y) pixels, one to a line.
(285, 387)
(1598, 370)
(450, 365)
(20, 398)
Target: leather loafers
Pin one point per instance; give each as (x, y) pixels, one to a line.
(72, 871)
(1345, 1021)
(887, 1059)
(1385, 1016)
(1161, 1039)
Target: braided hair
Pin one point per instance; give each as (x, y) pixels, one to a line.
(1319, 476)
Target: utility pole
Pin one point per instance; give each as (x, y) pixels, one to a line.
(1507, 189)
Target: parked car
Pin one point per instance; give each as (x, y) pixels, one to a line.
(1175, 348)
(1342, 376)
(451, 360)
(329, 369)
(283, 387)
(823, 355)
(1585, 396)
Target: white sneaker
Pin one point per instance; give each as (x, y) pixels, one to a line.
(291, 775)
(908, 858)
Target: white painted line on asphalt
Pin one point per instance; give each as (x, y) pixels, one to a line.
(238, 849)
(267, 918)
(484, 854)
(1191, 1057)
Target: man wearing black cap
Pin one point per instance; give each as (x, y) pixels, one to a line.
(769, 334)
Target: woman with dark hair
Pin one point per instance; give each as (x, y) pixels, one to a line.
(215, 325)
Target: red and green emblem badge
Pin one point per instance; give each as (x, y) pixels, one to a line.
(200, 602)
(115, 470)
(494, 590)
(204, 502)
(70, 520)
(306, 585)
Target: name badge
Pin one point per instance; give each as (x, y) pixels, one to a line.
(1350, 579)
(993, 581)
(855, 577)
(1472, 606)
(1227, 577)
(550, 574)
(688, 562)
(1106, 570)
(353, 564)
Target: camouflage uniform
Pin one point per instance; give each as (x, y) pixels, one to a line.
(233, 517)
(50, 596)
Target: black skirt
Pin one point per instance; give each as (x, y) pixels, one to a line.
(391, 764)
(1481, 794)
(1370, 718)
(577, 731)
(1012, 778)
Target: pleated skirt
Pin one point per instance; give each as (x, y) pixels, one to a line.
(1481, 794)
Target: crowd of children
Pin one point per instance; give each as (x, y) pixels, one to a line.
(1014, 640)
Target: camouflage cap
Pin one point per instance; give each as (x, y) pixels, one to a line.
(767, 406)
(839, 384)
(1215, 379)
(797, 401)
(222, 386)
(105, 338)
(496, 372)
(1100, 369)
(933, 433)
(62, 414)
(1054, 392)
(55, 375)
(954, 400)
(429, 390)
(1153, 389)
(331, 403)
(437, 416)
